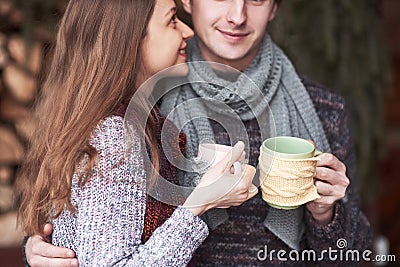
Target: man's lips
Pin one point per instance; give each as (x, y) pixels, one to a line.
(233, 35)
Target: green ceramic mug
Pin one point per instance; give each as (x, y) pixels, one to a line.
(289, 147)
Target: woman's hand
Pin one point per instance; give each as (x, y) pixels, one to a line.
(228, 183)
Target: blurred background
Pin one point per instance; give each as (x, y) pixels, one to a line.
(351, 46)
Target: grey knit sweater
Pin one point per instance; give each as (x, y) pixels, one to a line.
(106, 230)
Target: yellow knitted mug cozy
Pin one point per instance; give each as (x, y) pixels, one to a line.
(287, 183)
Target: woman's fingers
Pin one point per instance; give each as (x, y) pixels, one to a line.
(233, 156)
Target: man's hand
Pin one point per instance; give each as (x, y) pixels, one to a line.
(40, 253)
(331, 183)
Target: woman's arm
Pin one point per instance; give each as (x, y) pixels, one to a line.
(111, 207)
(108, 226)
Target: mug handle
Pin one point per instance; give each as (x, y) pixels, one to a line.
(317, 152)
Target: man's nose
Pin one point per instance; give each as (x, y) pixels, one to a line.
(237, 13)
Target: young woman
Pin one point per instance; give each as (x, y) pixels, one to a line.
(77, 174)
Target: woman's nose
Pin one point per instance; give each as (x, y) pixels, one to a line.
(187, 32)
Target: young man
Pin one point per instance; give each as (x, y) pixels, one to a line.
(234, 33)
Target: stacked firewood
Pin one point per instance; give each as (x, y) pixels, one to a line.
(20, 66)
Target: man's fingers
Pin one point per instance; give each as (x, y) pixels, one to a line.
(329, 160)
(324, 189)
(332, 177)
(47, 231)
(42, 248)
(56, 262)
(327, 175)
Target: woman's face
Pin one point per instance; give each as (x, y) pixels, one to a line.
(165, 42)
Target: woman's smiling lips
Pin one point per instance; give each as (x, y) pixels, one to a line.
(182, 52)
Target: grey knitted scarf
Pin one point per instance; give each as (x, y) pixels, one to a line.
(269, 84)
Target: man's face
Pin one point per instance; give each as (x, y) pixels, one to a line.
(230, 31)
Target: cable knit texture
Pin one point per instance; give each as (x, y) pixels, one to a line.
(107, 228)
(287, 182)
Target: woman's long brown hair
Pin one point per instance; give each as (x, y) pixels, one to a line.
(95, 66)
